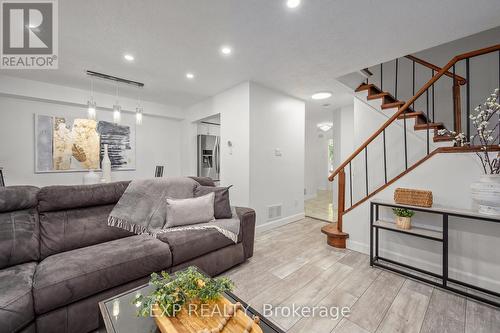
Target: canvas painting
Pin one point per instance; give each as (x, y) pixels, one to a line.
(74, 144)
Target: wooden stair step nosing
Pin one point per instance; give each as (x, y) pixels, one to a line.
(412, 114)
(424, 126)
(392, 105)
(378, 95)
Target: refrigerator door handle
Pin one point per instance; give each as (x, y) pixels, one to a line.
(218, 157)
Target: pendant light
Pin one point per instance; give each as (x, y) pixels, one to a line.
(138, 111)
(117, 109)
(91, 104)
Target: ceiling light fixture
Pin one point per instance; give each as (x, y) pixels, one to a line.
(226, 50)
(129, 57)
(293, 3)
(117, 109)
(325, 127)
(322, 95)
(91, 104)
(138, 114)
(190, 76)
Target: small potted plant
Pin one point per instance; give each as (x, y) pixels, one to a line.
(403, 217)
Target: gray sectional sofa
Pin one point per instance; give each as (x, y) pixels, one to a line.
(59, 258)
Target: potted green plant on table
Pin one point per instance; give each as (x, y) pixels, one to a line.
(403, 217)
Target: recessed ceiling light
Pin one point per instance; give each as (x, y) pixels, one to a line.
(190, 76)
(226, 50)
(128, 57)
(322, 95)
(292, 3)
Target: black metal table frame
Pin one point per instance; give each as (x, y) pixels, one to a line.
(375, 258)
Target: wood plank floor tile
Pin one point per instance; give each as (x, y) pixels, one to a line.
(408, 309)
(372, 306)
(481, 318)
(445, 314)
(336, 300)
(347, 326)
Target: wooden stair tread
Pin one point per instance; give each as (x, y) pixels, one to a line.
(364, 86)
(413, 114)
(379, 95)
(424, 126)
(442, 138)
(393, 105)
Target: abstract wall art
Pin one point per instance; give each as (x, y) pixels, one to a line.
(64, 144)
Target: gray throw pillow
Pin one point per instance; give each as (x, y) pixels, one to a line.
(181, 212)
(222, 206)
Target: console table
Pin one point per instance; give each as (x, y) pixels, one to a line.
(439, 236)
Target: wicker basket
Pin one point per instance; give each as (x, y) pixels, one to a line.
(413, 197)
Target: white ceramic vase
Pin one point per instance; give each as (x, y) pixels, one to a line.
(106, 166)
(91, 177)
(487, 194)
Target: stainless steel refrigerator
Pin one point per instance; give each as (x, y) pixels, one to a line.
(209, 156)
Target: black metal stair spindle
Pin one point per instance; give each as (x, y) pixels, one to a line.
(366, 168)
(428, 120)
(433, 113)
(350, 181)
(454, 100)
(467, 77)
(405, 140)
(396, 80)
(382, 77)
(385, 158)
(413, 84)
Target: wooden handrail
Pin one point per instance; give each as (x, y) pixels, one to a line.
(456, 77)
(419, 93)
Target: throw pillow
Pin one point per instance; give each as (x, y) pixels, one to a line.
(222, 206)
(181, 212)
(204, 181)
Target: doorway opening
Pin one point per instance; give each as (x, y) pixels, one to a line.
(319, 163)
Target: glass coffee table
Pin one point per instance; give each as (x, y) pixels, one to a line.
(119, 315)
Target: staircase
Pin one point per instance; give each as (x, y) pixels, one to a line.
(419, 120)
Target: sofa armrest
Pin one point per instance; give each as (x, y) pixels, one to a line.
(247, 229)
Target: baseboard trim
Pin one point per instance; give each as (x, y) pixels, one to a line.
(281, 222)
(483, 281)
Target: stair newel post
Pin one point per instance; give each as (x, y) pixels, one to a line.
(341, 202)
(457, 113)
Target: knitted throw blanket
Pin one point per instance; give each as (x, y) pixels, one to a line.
(142, 208)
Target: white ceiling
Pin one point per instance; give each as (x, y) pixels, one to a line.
(296, 51)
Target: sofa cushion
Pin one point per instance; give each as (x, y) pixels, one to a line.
(67, 277)
(189, 244)
(76, 228)
(222, 205)
(17, 198)
(55, 198)
(16, 299)
(19, 237)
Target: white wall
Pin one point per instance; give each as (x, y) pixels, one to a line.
(157, 139)
(276, 122)
(234, 108)
(473, 244)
